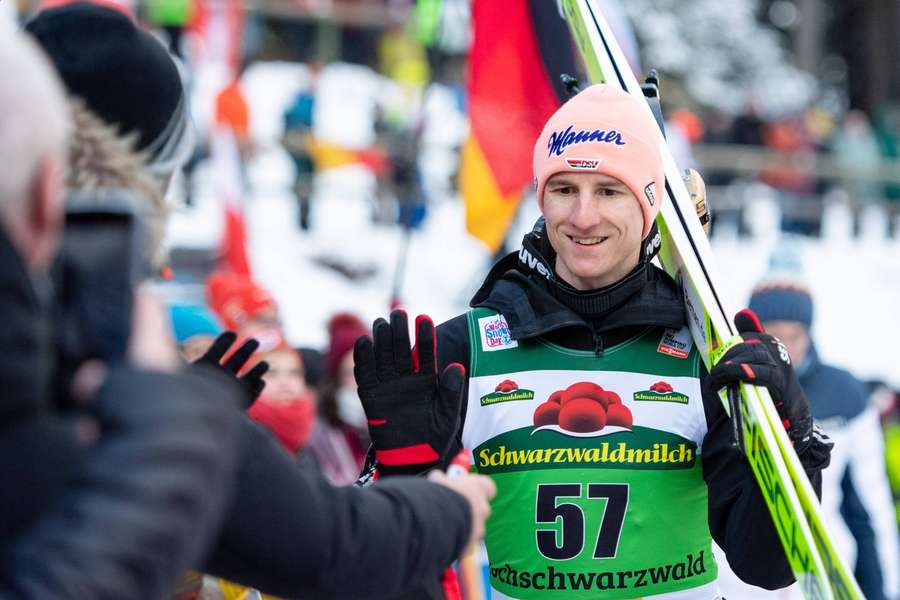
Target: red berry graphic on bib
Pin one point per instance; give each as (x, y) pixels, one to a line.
(583, 407)
(582, 415)
(618, 414)
(507, 385)
(584, 389)
(547, 414)
(661, 387)
(612, 398)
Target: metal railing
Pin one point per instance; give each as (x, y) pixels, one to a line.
(753, 160)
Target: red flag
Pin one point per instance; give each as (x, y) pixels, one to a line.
(219, 24)
(234, 242)
(229, 188)
(519, 50)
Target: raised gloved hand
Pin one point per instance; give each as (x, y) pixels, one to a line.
(762, 359)
(413, 414)
(252, 380)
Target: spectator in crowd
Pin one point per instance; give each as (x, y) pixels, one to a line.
(91, 46)
(801, 206)
(856, 149)
(683, 130)
(244, 307)
(195, 328)
(233, 114)
(747, 128)
(313, 366)
(297, 140)
(286, 407)
(857, 473)
(281, 518)
(887, 129)
(149, 485)
(340, 440)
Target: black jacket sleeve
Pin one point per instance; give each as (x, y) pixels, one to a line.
(739, 519)
(149, 497)
(453, 347)
(39, 457)
(291, 533)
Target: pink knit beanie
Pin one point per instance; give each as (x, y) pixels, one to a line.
(605, 130)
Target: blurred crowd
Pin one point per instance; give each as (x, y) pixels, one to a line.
(802, 159)
(305, 397)
(309, 401)
(139, 442)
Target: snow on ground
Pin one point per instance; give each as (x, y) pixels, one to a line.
(856, 284)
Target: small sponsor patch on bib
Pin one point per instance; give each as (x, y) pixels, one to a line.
(495, 334)
(676, 342)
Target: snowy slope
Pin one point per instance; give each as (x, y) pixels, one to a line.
(856, 284)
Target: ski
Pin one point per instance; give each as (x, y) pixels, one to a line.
(687, 256)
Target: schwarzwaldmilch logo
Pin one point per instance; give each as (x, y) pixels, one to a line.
(506, 391)
(661, 391)
(583, 408)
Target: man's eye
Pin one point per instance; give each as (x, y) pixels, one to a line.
(566, 189)
(609, 192)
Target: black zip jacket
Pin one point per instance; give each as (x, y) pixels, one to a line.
(522, 288)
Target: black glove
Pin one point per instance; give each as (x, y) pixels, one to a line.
(762, 359)
(413, 415)
(252, 380)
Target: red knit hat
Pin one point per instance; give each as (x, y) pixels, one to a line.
(343, 331)
(604, 130)
(236, 299)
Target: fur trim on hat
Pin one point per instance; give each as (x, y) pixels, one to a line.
(99, 158)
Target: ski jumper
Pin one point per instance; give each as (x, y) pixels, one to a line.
(600, 490)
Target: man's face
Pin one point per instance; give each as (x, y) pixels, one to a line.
(594, 223)
(793, 335)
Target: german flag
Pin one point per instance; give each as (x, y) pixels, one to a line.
(520, 49)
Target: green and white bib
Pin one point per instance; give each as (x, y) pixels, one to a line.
(600, 490)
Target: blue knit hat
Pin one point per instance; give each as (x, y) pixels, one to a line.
(191, 320)
(782, 301)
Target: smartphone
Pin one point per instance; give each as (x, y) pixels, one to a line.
(103, 258)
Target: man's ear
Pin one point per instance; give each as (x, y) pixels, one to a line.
(45, 211)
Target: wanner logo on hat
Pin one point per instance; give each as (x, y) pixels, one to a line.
(560, 140)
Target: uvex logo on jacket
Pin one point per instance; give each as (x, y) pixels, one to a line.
(534, 263)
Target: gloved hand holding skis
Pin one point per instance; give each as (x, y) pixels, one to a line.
(761, 359)
(413, 413)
